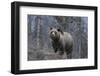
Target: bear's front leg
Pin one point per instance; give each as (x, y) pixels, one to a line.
(69, 53)
(55, 50)
(54, 47)
(61, 52)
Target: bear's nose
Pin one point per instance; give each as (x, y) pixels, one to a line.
(53, 33)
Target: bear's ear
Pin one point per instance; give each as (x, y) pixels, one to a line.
(60, 30)
(50, 28)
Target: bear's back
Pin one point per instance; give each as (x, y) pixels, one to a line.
(66, 39)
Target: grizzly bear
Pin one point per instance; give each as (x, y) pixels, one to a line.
(61, 41)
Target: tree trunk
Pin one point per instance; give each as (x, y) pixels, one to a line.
(38, 31)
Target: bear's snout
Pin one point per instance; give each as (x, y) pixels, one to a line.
(53, 33)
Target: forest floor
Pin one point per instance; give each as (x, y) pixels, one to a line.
(46, 54)
(42, 54)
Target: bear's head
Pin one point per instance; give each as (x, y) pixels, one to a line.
(55, 33)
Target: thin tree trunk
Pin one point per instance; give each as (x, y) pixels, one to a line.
(38, 32)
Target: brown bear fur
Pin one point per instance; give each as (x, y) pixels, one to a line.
(61, 41)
